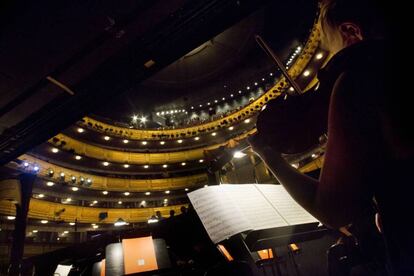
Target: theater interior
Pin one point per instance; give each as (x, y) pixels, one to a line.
(111, 112)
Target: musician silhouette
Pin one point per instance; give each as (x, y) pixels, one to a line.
(369, 152)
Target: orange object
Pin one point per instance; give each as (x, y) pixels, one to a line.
(225, 253)
(139, 255)
(103, 267)
(294, 247)
(265, 254)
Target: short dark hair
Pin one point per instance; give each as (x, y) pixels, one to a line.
(369, 15)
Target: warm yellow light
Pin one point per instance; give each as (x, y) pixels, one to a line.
(126, 166)
(80, 130)
(75, 189)
(306, 73)
(125, 141)
(105, 192)
(107, 138)
(319, 56)
(55, 150)
(78, 157)
(106, 164)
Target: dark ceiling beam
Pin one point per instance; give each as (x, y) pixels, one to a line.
(193, 24)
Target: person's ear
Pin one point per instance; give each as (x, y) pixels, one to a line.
(351, 33)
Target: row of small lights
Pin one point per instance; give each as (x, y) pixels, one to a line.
(172, 112)
(231, 95)
(106, 164)
(291, 59)
(72, 178)
(126, 141)
(50, 184)
(146, 193)
(180, 141)
(68, 200)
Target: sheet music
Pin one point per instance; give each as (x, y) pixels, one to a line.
(220, 217)
(62, 270)
(286, 206)
(230, 209)
(255, 208)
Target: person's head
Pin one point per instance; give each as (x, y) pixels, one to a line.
(158, 213)
(172, 213)
(346, 22)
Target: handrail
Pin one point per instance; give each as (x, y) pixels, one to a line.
(44, 210)
(117, 184)
(122, 157)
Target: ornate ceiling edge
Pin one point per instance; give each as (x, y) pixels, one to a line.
(248, 111)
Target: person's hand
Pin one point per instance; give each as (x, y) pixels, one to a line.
(261, 146)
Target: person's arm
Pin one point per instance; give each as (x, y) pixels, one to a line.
(301, 187)
(341, 193)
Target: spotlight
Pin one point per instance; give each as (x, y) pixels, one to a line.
(120, 222)
(105, 192)
(238, 154)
